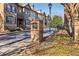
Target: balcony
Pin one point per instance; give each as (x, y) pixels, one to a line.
(20, 15)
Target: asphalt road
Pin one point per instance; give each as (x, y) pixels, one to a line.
(19, 39)
(27, 34)
(13, 37)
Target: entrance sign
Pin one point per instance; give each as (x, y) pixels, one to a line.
(36, 30)
(35, 26)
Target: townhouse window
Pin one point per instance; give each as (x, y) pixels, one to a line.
(23, 9)
(11, 8)
(26, 13)
(27, 21)
(8, 8)
(33, 15)
(29, 13)
(10, 19)
(20, 10)
(36, 16)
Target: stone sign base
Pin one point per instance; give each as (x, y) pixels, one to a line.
(36, 30)
(76, 31)
(1, 24)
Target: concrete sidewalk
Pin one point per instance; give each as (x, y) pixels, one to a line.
(18, 38)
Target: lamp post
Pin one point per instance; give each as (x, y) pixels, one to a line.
(50, 6)
(33, 6)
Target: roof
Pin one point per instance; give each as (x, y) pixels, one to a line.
(29, 6)
(22, 4)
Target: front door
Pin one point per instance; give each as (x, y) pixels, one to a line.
(19, 22)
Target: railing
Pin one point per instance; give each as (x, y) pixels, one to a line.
(20, 15)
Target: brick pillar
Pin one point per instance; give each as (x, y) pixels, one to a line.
(1, 24)
(2, 17)
(36, 30)
(76, 31)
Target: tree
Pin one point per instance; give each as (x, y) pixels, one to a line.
(71, 13)
(56, 21)
(71, 18)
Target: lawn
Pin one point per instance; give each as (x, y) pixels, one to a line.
(58, 45)
(55, 45)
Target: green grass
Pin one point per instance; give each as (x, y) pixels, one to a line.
(58, 49)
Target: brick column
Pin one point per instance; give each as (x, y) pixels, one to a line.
(76, 31)
(1, 24)
(36, 30)
(2, 17)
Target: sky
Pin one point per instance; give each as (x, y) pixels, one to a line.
(57, 8)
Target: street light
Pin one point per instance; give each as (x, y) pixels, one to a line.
(50, 6)
(33, 6)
